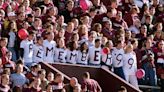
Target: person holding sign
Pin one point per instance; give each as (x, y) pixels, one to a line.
(117, 58)
(95, 53)
(130, 65)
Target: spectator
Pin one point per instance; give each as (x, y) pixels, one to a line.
(122, 89)
(98, 5)
(90, 84)
(4, 86)
(148, 23)
(12, 39)
(118, 22)
(3, 49)
(9, 64)
(72, 52)
(117, 56)
(38, 52)
(83, 32)
(36, 26)
(134, 42)
(49, 88)
(95, 53)
(18, 79)
(60, 51)
(107, 57)
(58, 22)
(44, 81)
(35, 85)
(107, 30)
(73, 85)
(26, 48)
(50, 77)
(159, 58)
(83, 54)
(132, 15)
(148, 63)
(33, 73)
(49, 47)
(61, 23)
(57, 84)
(97, 27)
(68, 13)
(69, 32)
(130, 65)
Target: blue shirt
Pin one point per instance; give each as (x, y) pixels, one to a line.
(18, 79)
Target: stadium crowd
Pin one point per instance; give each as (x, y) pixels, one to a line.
(123, 36)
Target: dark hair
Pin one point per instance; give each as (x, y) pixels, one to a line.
(19, 61)
(30, 15)
(71, 45)
(92, 9)
(118, 42)
(73, 36)
(133, 41)
(82, 47)
(39, 38)
(58, 41)
(31, 33)
(97, 40)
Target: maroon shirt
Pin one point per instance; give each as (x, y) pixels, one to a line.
(19, 24)
(3, 51)
(56, 87)
(67, 36)
(117, 24)
(160, 70)
(156, 51)
(109, 34)
(34, 90)
(91, 85)
(139, 56)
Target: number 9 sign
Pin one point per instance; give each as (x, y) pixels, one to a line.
(119, 58)
(130, 62)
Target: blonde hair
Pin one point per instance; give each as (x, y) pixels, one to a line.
(129, 46)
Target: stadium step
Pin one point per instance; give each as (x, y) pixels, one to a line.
(107, 80)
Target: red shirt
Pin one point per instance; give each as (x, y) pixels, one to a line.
(91, 85)
(3, 55)
(158, 52)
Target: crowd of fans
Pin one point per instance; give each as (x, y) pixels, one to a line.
(124, 36)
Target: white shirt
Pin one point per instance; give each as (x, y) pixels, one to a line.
(28, 50)
(117, 57)
(12, 37)
(60, 55)
(49, 48)
(38, 53)
(130, 63)
(134, 29)
(95, 55)
(107, 59)
(72, 56)
(83, 57)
